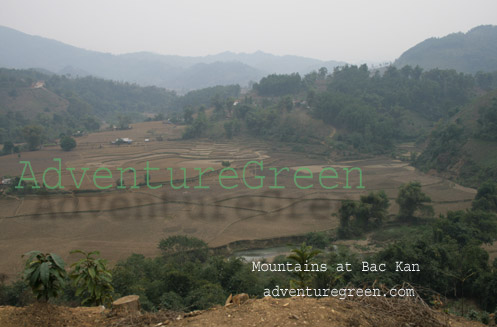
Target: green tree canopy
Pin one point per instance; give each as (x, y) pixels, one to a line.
(67, 143)
(33, 135)
(411, 199)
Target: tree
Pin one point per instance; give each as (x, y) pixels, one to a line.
(33, 135)
(317, 239)
(286, 103)
(486, 197)
(91, 124)
(410, 199)
(232, 128)
(302, 256)
(228, 129)
(323, 71)
(45, 274)
(230, 102)
(373, 206)
(277, 85)
(348, 209)
(67, 143)
(206, 296)
(8, 147)
(217, 102)
(369, 212)
(123, 122)
(188, 115)
(91, 277)
(198, 128)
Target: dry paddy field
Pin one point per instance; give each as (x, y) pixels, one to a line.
(119, 222)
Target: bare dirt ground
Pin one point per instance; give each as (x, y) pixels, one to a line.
(121, 222)
(268, 311)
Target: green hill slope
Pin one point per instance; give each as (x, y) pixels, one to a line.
(465, 147)
(468, 52)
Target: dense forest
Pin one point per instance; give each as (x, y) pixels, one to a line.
(372, 111)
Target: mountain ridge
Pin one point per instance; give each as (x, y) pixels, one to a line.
(23, 51)
(470, 52)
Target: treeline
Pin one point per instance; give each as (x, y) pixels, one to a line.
(278, 85)
(274, 120)
(107, 99)
(205, 97)
(378, 110)
(372, 111)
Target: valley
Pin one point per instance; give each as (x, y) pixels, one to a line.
(121, 222)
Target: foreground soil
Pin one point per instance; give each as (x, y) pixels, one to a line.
(261, 312)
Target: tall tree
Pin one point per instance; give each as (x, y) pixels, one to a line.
(411, 199)
(33, 135)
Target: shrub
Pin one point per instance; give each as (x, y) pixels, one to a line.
(67, 143)
(45, 274)
(206, 296)
(92, 278)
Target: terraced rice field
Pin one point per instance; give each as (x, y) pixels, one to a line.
(119, 222)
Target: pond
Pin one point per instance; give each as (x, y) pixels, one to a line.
(263, 254)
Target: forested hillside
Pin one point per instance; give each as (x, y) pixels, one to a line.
(370, 112)
(48, 104)
(469, 52)
(464, 148)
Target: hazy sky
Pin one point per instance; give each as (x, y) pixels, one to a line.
(349, 30)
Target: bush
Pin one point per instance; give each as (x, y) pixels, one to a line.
(91, 278)
(67, 143)
(45, 274)
(172, 301)
(206, 296)
(16, 294)
(318, 240)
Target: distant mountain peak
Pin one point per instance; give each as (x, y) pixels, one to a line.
(23, 51)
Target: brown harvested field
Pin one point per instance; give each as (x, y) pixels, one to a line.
(121, 222)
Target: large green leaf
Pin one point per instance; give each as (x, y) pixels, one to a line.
(45, 273)
(31, 255)
(91, 271)
(79, 291)
(58, 260)
(29, 271)
(34, 276)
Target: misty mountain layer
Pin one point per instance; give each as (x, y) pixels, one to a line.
(20, 50)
